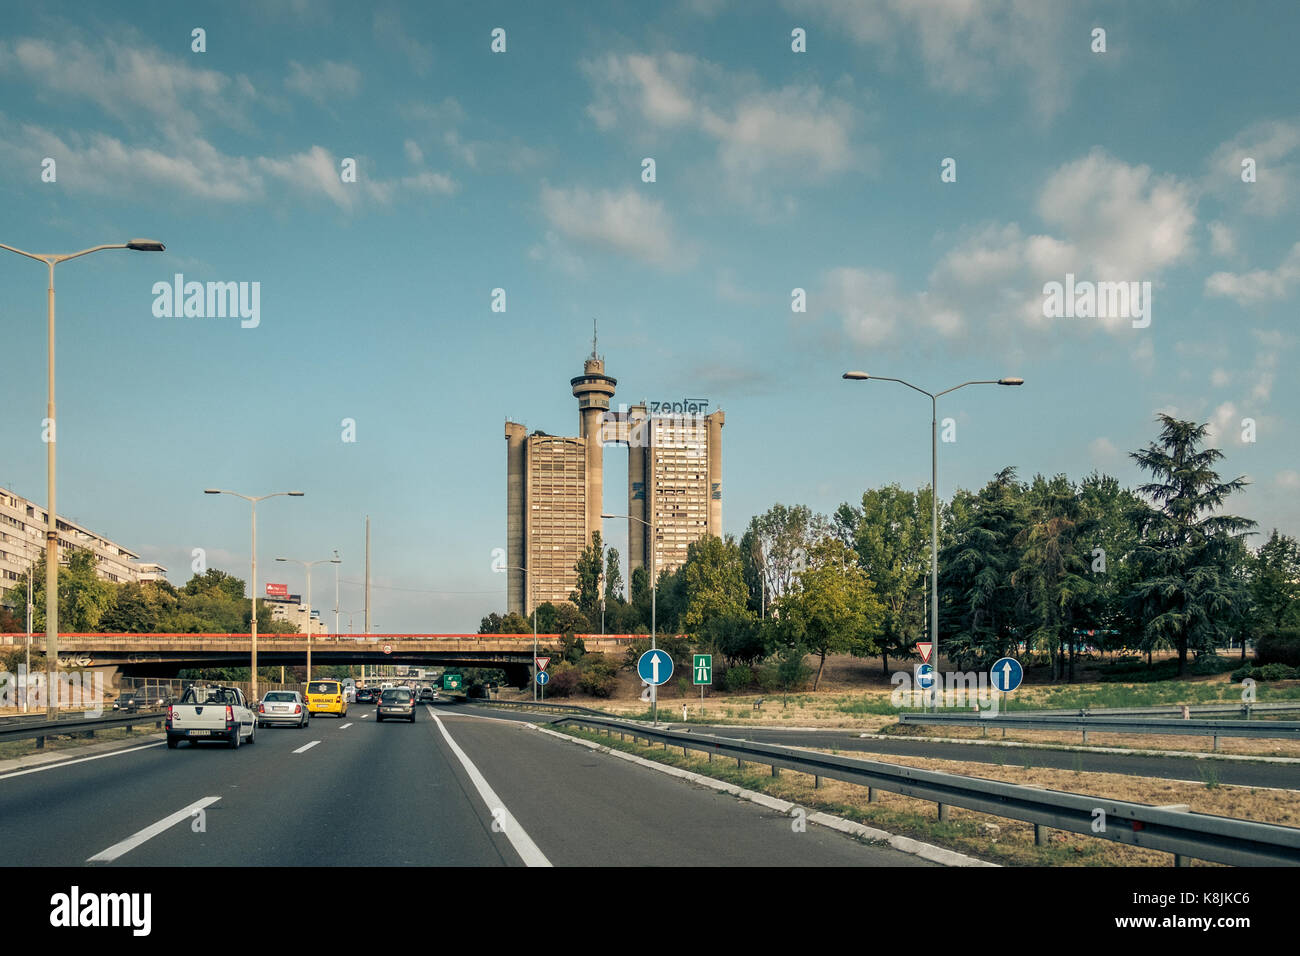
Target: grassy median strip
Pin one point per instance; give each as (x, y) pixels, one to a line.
(22, 748)
(980, 835)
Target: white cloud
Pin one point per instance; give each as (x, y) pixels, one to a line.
(1288, 478)
(1223, 241)
(390, 33)
(327, 81)
(1220, 378)
(1259, 285)
(874, 311)
(414, 154)
(1103, 450)
(1274, 145)
(623, 222)
(123, 80)
(968, 47)
(766, 139)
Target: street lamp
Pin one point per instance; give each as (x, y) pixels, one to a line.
(308, 565)
(253, 587)
(934, 496)
(528, 576)
(51, 518)
(654, 603)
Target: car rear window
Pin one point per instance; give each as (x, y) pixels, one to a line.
(395, 694)
(324, 687)
(280, 695)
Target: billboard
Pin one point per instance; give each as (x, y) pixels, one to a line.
(277, 590)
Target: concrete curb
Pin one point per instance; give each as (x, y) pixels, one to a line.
(925, 851)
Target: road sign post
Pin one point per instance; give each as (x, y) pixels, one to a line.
(654, 667)
(702, 671)
(1006, 675)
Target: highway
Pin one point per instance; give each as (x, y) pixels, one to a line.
(1244, 773)
(351, 792)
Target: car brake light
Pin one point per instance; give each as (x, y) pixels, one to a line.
(261, 708)
(230, 713)
(297, 708)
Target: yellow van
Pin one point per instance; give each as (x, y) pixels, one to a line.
(326, 697)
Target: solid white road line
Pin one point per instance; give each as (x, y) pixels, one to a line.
(306, 747)
(68, 763)
(149, 832)
(528, 850)
(346, 726)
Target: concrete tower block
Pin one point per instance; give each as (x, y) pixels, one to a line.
(515, 517)
(593, 389)
(716, 421)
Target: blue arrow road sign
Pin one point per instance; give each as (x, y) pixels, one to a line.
(925, 676)
(1007, 674)
(655, 667)
(543, 677)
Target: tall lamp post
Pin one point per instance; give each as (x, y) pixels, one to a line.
(253, 589)
(654, 603)
(308, 565)
(934, 498)
(51, 517)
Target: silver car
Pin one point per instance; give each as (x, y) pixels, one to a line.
(283, 707)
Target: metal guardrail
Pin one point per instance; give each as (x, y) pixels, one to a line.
(39, 730)
(1246, 711)
(1273, 729)
(540, 706)
(1186, 835)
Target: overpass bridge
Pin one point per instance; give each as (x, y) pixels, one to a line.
(162, 655)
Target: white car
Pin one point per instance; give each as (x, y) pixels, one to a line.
(283, 707)
(211, 713)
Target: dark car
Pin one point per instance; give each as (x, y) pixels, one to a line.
(366, 695)
(396, 703)
(129, 703)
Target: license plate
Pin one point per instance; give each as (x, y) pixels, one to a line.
(279, 710)
(200, 733)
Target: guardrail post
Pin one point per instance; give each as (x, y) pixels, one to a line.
(40, 743)
(1085, 736)
(817, 782)
(1040, 835)
(776, 771)
(1180, 860)
(943, 813)
(1216, 743)
(871, 795)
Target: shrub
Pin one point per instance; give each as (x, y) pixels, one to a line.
(1276, 672)
(793, 672)
(564, 680)
(738, 678)
(1280, 647)
(769, 678)
(597, 677)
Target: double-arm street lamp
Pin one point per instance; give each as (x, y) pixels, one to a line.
(934, 497)
(253, 588)
(308, 565)
(51, 523)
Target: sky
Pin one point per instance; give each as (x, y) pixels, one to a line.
(913, 174)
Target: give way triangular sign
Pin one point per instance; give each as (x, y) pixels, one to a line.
(925, 647)
(542, 662)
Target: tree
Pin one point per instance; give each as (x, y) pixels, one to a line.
(891, 534)
(1275, 581)
(84, 597)
(778, 542)
(831, 607)
(1051, 577)
(977, 600)
(589, 566)
(714, 581)
(1186, 592)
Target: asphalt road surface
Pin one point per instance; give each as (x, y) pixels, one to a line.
(1240, 773)
(454, 788)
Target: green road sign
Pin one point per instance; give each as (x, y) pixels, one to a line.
(451, 682)
(702, 668)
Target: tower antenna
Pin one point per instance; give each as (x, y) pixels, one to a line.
(593, 338)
